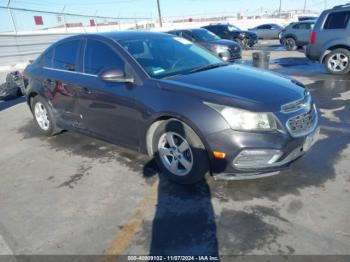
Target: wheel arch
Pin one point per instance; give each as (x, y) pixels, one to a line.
(152, 126)
(31, 95)
(290, 36)
(330, 49)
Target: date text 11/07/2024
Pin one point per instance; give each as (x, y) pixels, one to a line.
(173, 258)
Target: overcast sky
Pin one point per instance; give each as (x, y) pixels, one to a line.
(170, 8)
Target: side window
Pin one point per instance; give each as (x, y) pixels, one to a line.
(187, 35)
(100, 57)
(46, 59)
(337, 20)
(66, 55)
(221, 29)
(212, 29)
(296, 26)
(264, 27)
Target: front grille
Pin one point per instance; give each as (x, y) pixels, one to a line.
(302, 124)
(296, 105)
(234, 52)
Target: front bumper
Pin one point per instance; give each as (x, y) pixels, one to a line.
(233, 143)
(252, 41)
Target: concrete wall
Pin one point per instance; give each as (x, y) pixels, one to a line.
(16, 49)
(22, 47)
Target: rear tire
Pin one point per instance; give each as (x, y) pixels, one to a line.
(337, 62)
(43, 116)
(179, 152)
(290, 44)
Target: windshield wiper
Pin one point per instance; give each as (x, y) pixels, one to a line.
(207, 67)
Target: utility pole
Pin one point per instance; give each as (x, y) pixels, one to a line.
(159, 14)
(304, 6)
(11, 16)
(279, 9)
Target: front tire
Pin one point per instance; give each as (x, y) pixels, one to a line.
(43, 116)
(337, 62)
(243, 43)
(179, 152)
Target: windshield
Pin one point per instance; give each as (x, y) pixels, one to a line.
(168, 56)
(233, 28)
(205, 35)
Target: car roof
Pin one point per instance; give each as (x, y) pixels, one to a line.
(128, 35)
(306, 21)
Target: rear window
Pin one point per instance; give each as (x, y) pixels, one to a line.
(46, 59)
(338, 20)
(303, 26)
(66, 55)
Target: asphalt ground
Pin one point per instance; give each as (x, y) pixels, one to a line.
(71, 194)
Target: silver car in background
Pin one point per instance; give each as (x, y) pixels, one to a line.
(267, 31)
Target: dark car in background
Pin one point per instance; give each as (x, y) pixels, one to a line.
(165, 96)
(297, 35)
(330, 40)
(226, 31)
(267, 31)
(228, 50)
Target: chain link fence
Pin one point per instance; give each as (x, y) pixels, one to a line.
(25, 33)
(26, 21)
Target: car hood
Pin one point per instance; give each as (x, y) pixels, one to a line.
(240, 86)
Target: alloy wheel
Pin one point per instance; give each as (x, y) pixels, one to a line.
(289, 43)
(175, 153)
(41, 116)
(338, 62)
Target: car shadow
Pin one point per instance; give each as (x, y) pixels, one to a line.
(5, 104)
(184, 220)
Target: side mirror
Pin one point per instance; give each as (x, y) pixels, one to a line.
(115, 75)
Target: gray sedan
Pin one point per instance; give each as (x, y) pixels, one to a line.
(267, 31)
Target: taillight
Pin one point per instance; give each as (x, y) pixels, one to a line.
(313, 38)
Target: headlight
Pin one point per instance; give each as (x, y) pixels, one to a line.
(223, 52)
(221, 49)
(239, 119)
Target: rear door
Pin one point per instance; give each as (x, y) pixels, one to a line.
(107, 108)
(60, 80)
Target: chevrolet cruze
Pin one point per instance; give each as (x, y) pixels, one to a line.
(165, 96)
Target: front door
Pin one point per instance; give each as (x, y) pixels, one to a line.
(107, 108)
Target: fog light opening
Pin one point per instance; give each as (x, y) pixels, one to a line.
(257, 158)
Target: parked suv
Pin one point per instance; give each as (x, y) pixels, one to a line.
(226, 31)
(296, 35)
(330, 40)
(165, 96)
(228, 50)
